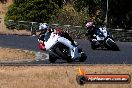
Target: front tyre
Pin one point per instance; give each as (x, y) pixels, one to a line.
(110, 44)
(83, 56)
(93, 46)
(52, 58)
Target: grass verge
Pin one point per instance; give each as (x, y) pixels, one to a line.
(7, 54)
(57, 76)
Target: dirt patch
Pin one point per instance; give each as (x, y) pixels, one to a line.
(7, 54)
(56, 76)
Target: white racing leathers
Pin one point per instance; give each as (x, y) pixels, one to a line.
(55, 38)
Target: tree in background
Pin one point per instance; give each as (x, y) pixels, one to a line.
(32, 10)
(19, 1)
(119, 13)
(91, 7)
(59, 2)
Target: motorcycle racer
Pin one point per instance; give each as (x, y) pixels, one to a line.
(99, 36)
(52, 36)
(91, 30)
(45, 32)
(41, 39)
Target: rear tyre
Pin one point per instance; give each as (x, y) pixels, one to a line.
(52, 58)
(83, 57)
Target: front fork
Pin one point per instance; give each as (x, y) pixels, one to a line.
(75, 53)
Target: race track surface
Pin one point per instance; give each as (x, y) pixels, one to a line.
(100, 56)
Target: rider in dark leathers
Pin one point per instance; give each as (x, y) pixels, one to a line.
(65, 35)
(91, 30)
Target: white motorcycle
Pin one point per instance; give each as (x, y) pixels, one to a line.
(60, 47)
(102, 38)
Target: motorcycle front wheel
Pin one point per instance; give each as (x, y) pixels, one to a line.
(93, 46)
(83, 56)
(52, 58)
(110, 44)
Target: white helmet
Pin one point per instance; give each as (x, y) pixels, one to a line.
(43, 26)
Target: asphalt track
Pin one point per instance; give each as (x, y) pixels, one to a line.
(100, 56)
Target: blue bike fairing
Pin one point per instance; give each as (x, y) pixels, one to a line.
(98, 32)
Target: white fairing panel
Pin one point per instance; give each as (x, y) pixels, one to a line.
(65, 42)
